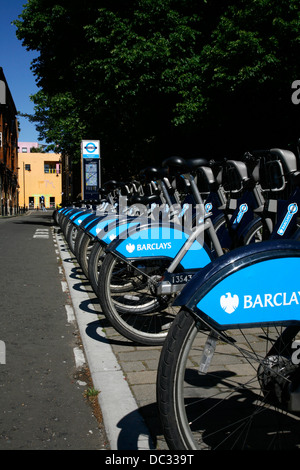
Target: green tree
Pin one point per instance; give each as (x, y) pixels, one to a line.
(246, 70)
(151, 78)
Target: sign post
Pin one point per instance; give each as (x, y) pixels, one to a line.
(91, 169)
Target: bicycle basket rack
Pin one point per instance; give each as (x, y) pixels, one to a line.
(234, 177)
(276, 168)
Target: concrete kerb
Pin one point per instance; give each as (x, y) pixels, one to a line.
(125, 427)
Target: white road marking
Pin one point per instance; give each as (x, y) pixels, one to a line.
(41, 233)
(79, 358)
(70, 313)
(64, 286)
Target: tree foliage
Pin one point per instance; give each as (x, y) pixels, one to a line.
(150, 78)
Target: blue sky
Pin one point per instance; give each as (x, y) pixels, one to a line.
(15, 61)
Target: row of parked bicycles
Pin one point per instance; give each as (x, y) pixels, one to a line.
(202, 258)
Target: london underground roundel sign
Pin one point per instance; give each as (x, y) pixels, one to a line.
(90, 149)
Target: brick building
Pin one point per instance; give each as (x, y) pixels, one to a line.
(8, 150)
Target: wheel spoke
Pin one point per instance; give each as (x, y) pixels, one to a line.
(243, 401)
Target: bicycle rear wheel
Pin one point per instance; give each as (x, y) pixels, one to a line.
(241, 402)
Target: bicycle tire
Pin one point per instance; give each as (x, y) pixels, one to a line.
(239, 402)
(65, 225)
(78, 239)
(254, 234)
(86, 243)
(94, 264)
(71, 236)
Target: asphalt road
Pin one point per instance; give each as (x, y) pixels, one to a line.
(42, 402)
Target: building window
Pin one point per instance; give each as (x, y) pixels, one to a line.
(27, 167)
(51, 167)
(24, 149)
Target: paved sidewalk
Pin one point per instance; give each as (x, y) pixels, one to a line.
(124, 373)
(139, 365)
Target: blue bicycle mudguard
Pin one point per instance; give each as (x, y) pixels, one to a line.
(116, 228)
(89, 223)
(156, 240)
(75, 213)
(85, 220)
(64, 210)
(97, 229)
(71, 211)
(79, 218)
(254, 285)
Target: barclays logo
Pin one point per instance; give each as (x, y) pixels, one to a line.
(242, 211)
(130, 247)
(208, 207)
(154, 246)
(229, 302)
(280, 299)
(292, 210)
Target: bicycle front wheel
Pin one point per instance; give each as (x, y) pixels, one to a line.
(129, 302)
(84, 251)
(255, 234)
(241, 402)
(71, 237)
(94, 264)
